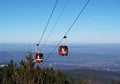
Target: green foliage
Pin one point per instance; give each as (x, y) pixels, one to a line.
(82, 82)
(93, 76)
(71, 80)
(27, 73)
(115, 82)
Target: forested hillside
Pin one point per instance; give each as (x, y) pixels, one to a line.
(94, 76)
(28, 73)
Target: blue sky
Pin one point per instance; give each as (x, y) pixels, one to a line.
(23, 21)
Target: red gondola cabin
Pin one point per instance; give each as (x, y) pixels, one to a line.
(63, 50)
(38, 57)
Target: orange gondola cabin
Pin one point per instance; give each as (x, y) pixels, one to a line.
(63, 50)
(38, 57)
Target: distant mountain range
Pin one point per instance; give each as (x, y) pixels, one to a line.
(81, 56)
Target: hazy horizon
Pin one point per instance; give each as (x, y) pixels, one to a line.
(90, 56)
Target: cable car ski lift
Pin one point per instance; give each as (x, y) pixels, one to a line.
(63, 49)
(38, 56)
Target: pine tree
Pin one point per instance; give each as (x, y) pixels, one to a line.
(71, 80)
(60, 78)
(82, 82)
(115, 82)
(9, 76)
